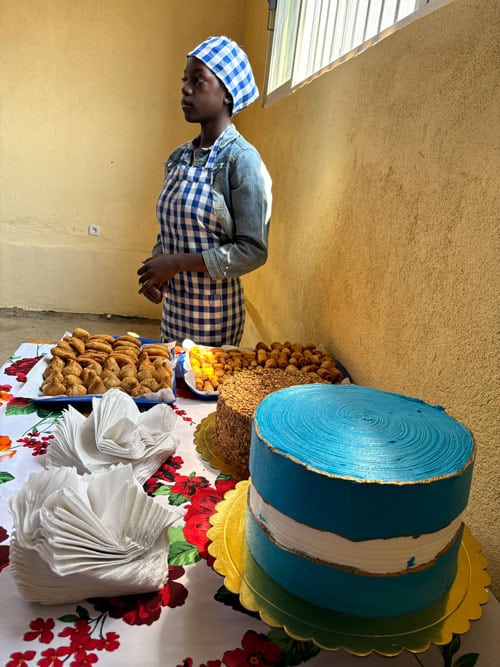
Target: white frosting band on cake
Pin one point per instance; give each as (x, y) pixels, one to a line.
(374, 556)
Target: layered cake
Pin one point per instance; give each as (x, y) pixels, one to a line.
(239, 395)
(356, 497)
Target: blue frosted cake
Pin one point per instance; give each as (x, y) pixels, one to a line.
(356, 497)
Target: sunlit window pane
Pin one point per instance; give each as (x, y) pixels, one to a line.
(310, 35)
(285, 28)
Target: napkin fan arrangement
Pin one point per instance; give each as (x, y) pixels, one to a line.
(85, 527)
(114, 432)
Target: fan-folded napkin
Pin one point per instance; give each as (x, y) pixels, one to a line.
(93, 535)
(114, 432)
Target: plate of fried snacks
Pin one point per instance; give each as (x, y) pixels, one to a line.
(82, 365)
(204, 367)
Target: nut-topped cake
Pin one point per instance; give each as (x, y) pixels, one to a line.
(239, 396)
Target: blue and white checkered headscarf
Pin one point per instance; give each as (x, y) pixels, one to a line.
(230, 64)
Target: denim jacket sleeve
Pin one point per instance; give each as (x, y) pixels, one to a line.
(242, 198)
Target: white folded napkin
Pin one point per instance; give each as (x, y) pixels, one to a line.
(116, 431)
(94, 535)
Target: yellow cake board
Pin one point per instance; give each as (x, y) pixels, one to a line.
(203, 440)
(331, 630)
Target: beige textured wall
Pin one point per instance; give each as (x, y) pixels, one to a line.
(89, 110)
(385, 235)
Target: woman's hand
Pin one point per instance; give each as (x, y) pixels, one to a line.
(153, 294)
(157, 270)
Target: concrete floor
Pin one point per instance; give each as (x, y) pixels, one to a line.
(18, 326)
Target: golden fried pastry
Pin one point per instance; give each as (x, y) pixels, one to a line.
(53, 368)
(139, 390)
(157, 361)
(64, 343)
(96, 386)
(88, 375)
(121, 359)
(128, 383)
(72, 368)
(150, 383)
(77, 344)
(128, 370)
(112, 365)
(53, 388)
(103, 337)
(98, 345)
(81, 333)
(157, 350)
(143, 356)
(130, 351)
(145, 374)
(146, 365)
(76, 390)
(71, 380)
(91, 364)
(111, 381)
(57, 362)
(163, 370)
(100, 357)
(129, 339)
(63, 352)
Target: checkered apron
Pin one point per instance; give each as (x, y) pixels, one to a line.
(210, 312)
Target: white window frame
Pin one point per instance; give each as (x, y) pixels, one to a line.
(310, 37)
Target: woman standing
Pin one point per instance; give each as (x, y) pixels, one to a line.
(214, 206)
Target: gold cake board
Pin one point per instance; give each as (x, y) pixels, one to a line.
(203, 440)
(331, 630)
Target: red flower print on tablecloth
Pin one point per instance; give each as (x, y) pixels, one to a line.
(188, 485)
(53, 657)
(81, 646)
(80, 638)
(82, 659)
(41, 629)
(224, 483)
(165, 473)
(180, 412)
(21, 367)
(17, 401)
(256, 650)
(37, 442)
(20, 659)
(198, 513)
(4, 549)
(188, 662)
(146, 608)
(5, 394)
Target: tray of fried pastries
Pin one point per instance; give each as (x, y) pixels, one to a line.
(82, 365)
(204, 368)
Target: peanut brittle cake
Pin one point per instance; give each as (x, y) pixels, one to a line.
(239, 395)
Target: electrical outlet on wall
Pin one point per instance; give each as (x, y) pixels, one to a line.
(94, 230)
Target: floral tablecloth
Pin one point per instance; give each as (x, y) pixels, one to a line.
(194, 621)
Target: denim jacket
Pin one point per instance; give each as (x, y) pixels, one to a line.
(242, 200)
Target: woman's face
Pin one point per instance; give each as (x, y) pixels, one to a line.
(204, 98)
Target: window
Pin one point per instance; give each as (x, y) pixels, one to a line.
(311, 36)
